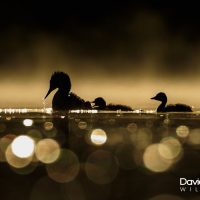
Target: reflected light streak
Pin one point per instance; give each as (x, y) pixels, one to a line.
(48, 110)
(84, 111)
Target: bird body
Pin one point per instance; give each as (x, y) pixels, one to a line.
(64, 101)
(119, 107)
(100, 104)
(178, 108)
(171, 107)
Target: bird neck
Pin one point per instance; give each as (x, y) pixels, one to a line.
(102, 106)
(63, 90)
(161, 107)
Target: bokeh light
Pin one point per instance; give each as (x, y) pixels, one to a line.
(166, 121)
(65, 169)
(5, 141)
(171, 148)
(16, 161)
(77, 120)
(23, 146)
(132, 127)
(194, 137)
(47, 151)
(50, 130)
(153, 160)
(82, 125)
(98, 137)
(101, 167)
(48, 126)
(28, 169)
(8, 118)
(28, 122)
(182, 131)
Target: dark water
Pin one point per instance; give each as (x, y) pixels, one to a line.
(99, 155)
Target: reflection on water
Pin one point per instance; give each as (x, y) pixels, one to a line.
(108, 155)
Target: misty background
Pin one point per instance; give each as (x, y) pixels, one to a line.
(125, 52)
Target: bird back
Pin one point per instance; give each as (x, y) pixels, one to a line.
(75, 102)
(178, 108)
(119, 107)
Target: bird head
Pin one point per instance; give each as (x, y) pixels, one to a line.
(99, 103)
(59, 80)
(161, 96)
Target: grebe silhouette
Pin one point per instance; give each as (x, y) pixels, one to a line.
(161, 96)
(100, 104)
(63, 98)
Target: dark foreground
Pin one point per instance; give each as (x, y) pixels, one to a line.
(101, 156)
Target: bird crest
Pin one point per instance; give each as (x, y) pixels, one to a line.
(60, 80)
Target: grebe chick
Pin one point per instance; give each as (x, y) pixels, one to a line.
(161, 96)
(100, 104)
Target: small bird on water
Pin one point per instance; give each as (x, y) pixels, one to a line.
(100, 104)
(161, 96)
(63, 98)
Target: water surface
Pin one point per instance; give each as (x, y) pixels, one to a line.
(98, 155)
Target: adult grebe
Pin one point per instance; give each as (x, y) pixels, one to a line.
(63, 98)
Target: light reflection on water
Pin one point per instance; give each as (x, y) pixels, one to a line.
(103, 148)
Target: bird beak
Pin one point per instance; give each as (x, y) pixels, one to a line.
(153, 98)
(50, 90)
(92, 104)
